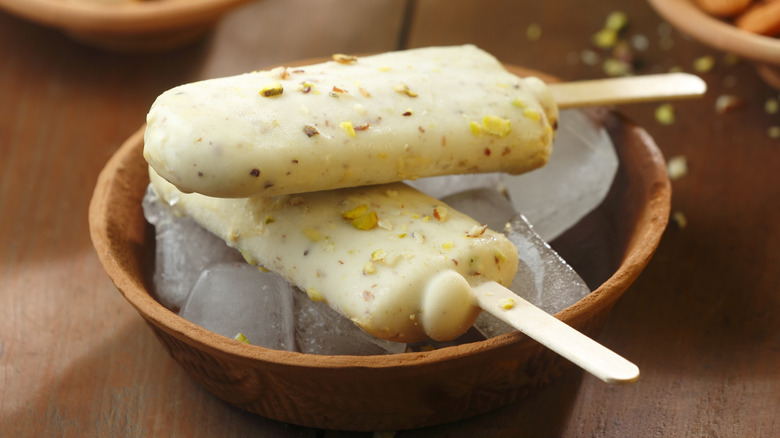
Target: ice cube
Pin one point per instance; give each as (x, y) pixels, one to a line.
(233, 298)
(575, 180)
(486, 205)
(442, 186)
(543, 278)
(321, 330)
(183, 249)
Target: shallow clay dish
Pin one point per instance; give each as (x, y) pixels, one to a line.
(691, 20)
(128, 25)
(609, 248)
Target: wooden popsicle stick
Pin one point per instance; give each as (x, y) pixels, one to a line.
(555, 334)
(630, 89)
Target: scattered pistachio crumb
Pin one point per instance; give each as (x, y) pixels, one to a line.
(664, 114)
(704, 64)
(726, 102)
(447, 245)
(518, 103)
(507, 303)
(679, 219)
(533, 32)
(269, 220)
(368, 268)
(271, 90)
(616, 67)
(677, 167)
(605, 38)
(241, 338)
(616, 20)
(771, 106)
(379, 254)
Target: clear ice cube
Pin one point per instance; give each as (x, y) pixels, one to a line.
(321, 330)
(443, 186)
(543, 278)
(233, 298)
(575, 180)
(485, 205)
(183, 250)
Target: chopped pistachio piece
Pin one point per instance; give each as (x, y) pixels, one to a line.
(605, 38)
(507, 303)
(664, 114)
(358, 211)
(704, 64)
(348, 127)
(271, 90)
(497, 126)
(365, 221)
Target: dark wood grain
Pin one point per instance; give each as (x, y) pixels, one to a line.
(76, 360)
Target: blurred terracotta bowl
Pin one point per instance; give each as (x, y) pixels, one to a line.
(126, 25)
(401, 391)
(687, 17)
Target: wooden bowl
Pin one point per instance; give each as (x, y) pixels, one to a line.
(687, 17)
(126, 25)
(400, 391)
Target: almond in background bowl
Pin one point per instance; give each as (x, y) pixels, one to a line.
(690, 19)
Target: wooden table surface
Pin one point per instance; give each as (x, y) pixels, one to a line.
(77, 360)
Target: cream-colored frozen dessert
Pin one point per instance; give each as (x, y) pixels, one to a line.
(349, 122)
(398, 263)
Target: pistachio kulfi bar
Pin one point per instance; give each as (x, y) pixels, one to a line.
(398, 263)
(350, 121)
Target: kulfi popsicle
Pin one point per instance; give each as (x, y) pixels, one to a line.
(351, 121)
(398, 263)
